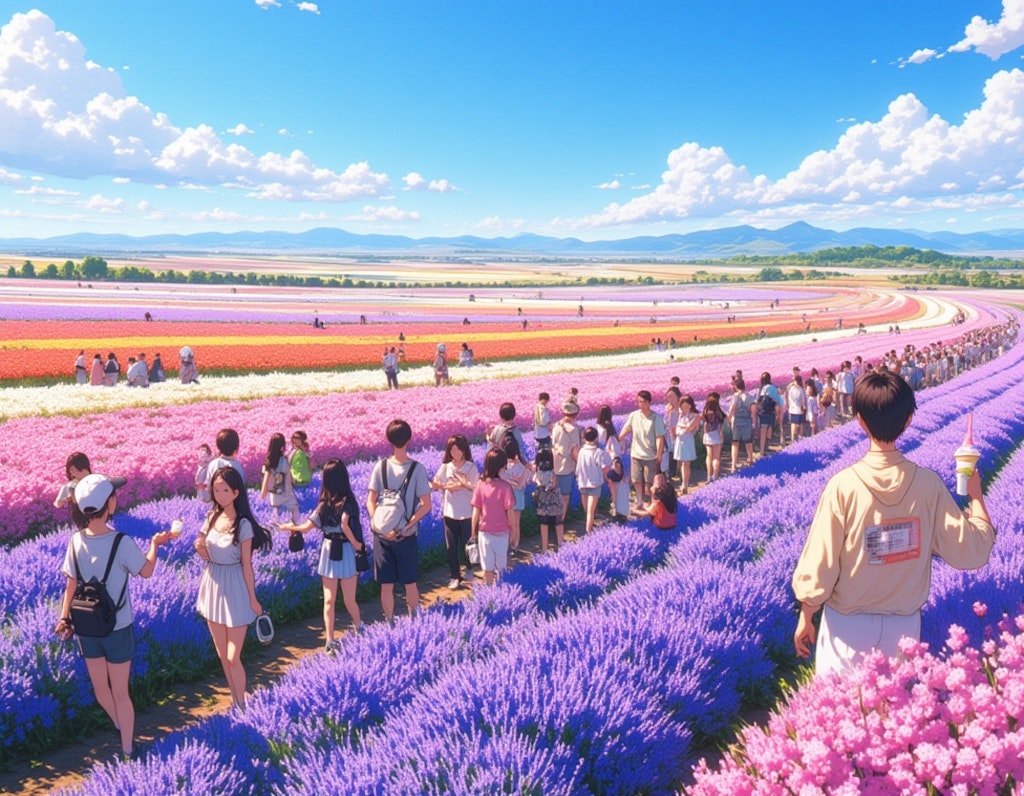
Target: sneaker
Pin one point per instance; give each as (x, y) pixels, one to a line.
(454, 583)
(332, 646)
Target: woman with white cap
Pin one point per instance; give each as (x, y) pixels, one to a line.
(99, 552)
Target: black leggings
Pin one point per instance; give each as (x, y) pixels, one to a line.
(456, 534)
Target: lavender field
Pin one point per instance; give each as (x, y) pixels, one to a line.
(602, 668)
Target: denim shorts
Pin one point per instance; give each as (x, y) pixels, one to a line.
(118, 647)
(565, 483)
(590, 491)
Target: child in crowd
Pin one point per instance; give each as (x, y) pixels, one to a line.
(227, 448)
(811, 426)
(547, 500)
(542, 421)
(591, 473)
(517, 473)
(203, 464)
(664, 505)
(712, 418)
(456, 478)
(685, 449)
(493, 506)
(277, 479)
(298, 461)
(826, 409)
(76, 468)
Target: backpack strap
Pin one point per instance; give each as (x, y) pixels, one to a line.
(110, 563)
(405, 487)
(384, 473)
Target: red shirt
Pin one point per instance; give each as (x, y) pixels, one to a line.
(662, 517)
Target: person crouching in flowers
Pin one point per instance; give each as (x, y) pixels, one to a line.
(227, 590)
(337, 516)
(493, 504)
(664, 505)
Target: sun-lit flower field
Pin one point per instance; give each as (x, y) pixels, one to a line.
(604, 668)
(38, 340)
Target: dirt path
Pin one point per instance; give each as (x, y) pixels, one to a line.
(190, 702)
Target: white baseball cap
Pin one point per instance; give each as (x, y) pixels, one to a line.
(93, 492)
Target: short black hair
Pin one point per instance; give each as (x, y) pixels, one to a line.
(885, 402)
(507, 411)
(227, 441)
(399, 433)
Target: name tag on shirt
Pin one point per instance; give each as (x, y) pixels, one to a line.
(893, 541)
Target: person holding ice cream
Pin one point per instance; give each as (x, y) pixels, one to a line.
(868, 555)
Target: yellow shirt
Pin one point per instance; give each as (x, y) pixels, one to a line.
(876, 527)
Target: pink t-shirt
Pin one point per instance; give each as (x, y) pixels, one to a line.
(494, 499)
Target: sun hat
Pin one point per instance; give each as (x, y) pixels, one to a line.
(440, 347)
(571, 408)
(93, 492)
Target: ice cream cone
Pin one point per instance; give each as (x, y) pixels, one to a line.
(966, 457)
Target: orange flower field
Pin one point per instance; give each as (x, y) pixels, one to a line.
(48, 348)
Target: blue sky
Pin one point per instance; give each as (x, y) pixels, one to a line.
(591, 119)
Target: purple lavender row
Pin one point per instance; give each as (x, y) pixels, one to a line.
(749, 672)
(286, 582)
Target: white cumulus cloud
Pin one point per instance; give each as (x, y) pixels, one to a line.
(105, 205)
(614, 185)
(310, 7)
(64, 115)
(995, 38)
(239, 129)
(417, 182)
(922, 55)
(268, 3)
(907, 153)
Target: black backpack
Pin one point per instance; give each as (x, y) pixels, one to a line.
(765, 404)
(93, 612)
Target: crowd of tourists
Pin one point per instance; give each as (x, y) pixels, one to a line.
(139, 372)
(643, 465)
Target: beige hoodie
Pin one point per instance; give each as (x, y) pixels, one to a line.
(874, 532)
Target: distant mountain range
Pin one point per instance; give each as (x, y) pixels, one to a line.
(725, 242)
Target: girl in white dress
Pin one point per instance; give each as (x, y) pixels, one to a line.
(227, 590)
(685, 449)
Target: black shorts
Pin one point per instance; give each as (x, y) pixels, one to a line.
(396, 561)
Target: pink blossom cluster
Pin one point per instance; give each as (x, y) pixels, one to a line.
(925, 723)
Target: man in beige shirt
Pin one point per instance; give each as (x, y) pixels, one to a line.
(867, 558)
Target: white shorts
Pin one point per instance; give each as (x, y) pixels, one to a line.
(844, 639)
(493, 551)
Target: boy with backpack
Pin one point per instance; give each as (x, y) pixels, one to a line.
(868, 555)
(397, 499)
(505, 427)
